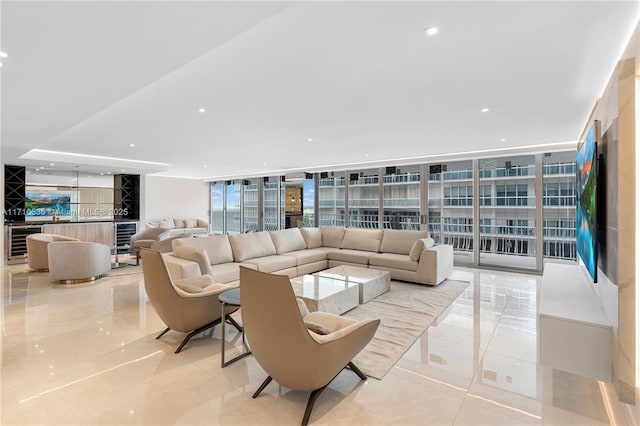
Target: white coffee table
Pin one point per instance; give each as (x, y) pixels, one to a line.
(326, 294)
(371, 282)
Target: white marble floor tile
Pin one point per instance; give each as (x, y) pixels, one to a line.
(88, 355)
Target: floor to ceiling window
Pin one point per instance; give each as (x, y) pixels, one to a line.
(401, 202)
(559, 205)
(250, 205)
(271, 203)
(450, 207)
(364, 199)
(217, 207)
(508, 211)
(331, 199)
(511, 194)
(233, 206)
(309, 199)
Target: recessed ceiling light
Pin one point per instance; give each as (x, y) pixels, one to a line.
(1, 64)
(366, 155)
(123, 170)
(503, 140)
(89, 177)
(310, 140)
(431, 30)
(202, 110)
(485, 109)
(108, 173)
(264, 164)
(101, 174)
(132, 145)
(4, 55)
(204, 165)
(51, 164)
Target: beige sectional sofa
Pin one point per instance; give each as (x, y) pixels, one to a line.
(408, 255)
(158, 234)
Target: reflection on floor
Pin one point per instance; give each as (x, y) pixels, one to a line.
(86, 354)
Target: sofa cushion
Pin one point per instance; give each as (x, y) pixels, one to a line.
(226, 272)
(362, 239)
(179, 223)
(287, 240)
(273, 263)
(419, 246)
(167, 224)
(251, 245)
(190, 223)
(198, 255)
(400, 242)
(312, 237)
(217, 247)
(304, 257)
(351, 256)
(332, 236)
(393, 260)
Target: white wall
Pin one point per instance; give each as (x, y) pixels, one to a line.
(167, 197)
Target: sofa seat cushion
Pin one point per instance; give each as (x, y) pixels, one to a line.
(350, 256)
(400, 242)
(394, 261)
(272, 263)
(287, 240)
(304, 257)
(362, 239)
(225, 272)
(142, 243)
(251, 246)
(217, 247)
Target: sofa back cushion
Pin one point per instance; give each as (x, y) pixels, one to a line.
(418, 247)
(251, 245)
(190, 223)
(179, 223)
(167, 224)
(312, 237)
(287, 240)
(362, 239)
(217, 247)
(332, 236)
(400, 242)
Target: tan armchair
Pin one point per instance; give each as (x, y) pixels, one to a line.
(283, 344)
(37, 254)
(189, 306)
(73, 262)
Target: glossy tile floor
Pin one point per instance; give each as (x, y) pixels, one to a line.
(86, 354)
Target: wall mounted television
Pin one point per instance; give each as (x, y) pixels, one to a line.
(41, 205)
(586, 205)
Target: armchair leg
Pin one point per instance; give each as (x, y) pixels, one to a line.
(196, 331)
(356, 370)
(312, 400)
(262, 386)
(163, 333)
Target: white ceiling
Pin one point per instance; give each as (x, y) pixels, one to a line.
(361, 79)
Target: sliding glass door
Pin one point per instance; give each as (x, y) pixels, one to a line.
(508, 211)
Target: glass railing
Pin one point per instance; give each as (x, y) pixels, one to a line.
(401, 202)
(363, 202)
(402, 178)
(559, 169)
